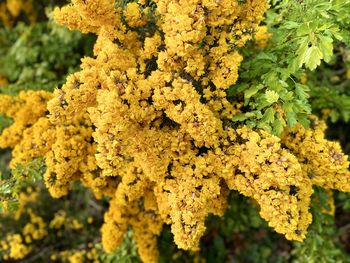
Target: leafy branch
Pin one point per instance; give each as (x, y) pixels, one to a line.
(274, 96)
(12, 184)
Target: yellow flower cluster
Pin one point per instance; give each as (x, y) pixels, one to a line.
(13, 247)
(25, 110)
(67, 149)
(77, 256)
(262, 37)
(20, 245)
(273, 177)
(154, 126)
(35, 229)
(147, 123)
(61, 220)
(329, 209)
(25, 199)
(321, 160)
(16, 246)
(11, 9)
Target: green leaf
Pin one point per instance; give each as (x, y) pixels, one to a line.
(313, 57)
(302, 51)
(304, 29)
(326, 47)
(277, 126)
(334, 116)
(291, 25)
(269, 116)
(266, 56)
(239, 117)
(252, 91)
(291, 118)
(302, 91)
(271, 96)
(289, 106)
(303, 119)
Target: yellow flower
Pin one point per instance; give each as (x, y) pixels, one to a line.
(134, 16)
(77, 257)
(262, 37)
(18, 250)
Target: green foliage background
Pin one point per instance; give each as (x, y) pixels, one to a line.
(311, 40)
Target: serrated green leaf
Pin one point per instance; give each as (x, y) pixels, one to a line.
(287, 96)
(271, 96)
(326, 47)
(269, 115)
(336, 32)
(302, 51)
(291, 118)
(277, 127)
(313, 57)
(302, 91)
(303, 119)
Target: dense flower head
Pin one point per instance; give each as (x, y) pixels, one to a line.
(322, 161)
(24, 109)
(147, 122)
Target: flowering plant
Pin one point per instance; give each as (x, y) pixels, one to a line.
(182, 104)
